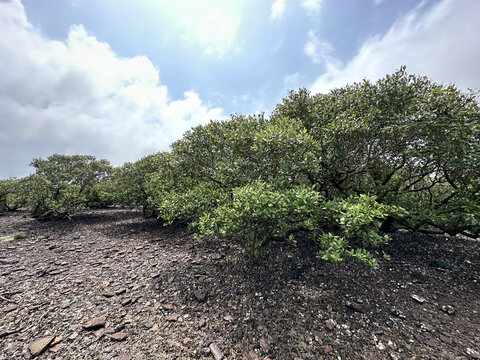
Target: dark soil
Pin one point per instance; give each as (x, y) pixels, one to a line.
(176, 297)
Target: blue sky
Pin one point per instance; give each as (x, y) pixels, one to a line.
(121, 79)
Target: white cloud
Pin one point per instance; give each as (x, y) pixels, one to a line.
(312, 6)
(319, 50)
(78, 96)
(278, 9)
(216, 31)
(212, 25)
(440, 42)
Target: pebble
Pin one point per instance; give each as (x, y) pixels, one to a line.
(38, 346)
(95, 323)
(200, 295)
(330, 324)
(119, 336)
(217, 354)
(418, 298)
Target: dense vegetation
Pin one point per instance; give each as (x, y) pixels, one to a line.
(334, 168)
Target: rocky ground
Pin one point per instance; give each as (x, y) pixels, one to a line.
(107, 284)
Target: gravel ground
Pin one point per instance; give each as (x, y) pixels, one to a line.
(158, 293)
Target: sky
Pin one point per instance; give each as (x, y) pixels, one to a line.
(122, 79)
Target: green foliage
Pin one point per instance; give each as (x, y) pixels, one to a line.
(333, 166)
(130, 182)
(186, 206)
(406, 140)
(63, 183)
(358, 220)
(12, 194)
(259, 212)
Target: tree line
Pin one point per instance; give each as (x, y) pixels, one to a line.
(341, 169)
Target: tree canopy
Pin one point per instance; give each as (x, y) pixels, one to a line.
(336, 168)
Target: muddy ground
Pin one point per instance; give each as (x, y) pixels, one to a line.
(166, 295)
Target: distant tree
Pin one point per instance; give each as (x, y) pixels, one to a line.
(63, 183)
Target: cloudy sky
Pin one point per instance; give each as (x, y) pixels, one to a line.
(121, 79)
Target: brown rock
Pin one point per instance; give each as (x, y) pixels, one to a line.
(217, 354)
(10, 308)
(119, 336)
(56, 348)
(57, 340)
(124, 357)
(73, 336)
(154, 327)
(148, 323)
(200, 295)
(108, 293)
(318, 336)
(95, 323)
(99, 333)
(168, 307)
(172, 317)
(330, 324)
(120, 291)
(201, 322)
(38, 346)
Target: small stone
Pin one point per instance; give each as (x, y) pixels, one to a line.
(217, 354)
(56, 348)
(119, 328)
(172, 317)
(95, 323)
(108, 293)
(57, 340)
(318, 336)
(330, 324)
(120, 291)
(126, 302)
(155, 275)
(228, 318)
(148, 324)
(99, 334)
(201, 322)
(396, 312)
(381, 347)
(119, 336)
(154, 327)
(168, 307)
(10, 308)
(265, 344)
(73, 336)
(448, 309)
(200, 295)
(124, 357)
(38, 346)
(418, 298)
(355, 306)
